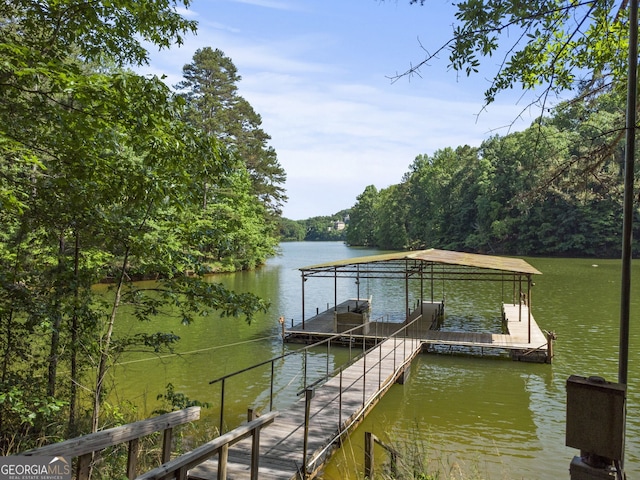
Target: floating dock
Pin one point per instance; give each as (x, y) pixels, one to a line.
(523, 339)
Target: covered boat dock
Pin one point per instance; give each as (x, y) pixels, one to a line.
(521, 335)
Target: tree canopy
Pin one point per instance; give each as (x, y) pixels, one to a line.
(526, 193)
(211, 91)
(558, 44)
(103, 177)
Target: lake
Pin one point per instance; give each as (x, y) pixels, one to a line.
(489, 415)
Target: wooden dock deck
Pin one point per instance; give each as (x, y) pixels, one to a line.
(336, 407)
(524, 340)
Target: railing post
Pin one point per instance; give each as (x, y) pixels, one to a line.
(404, 345)
(340, 404)
(379, 365)
(255, 446)
(222, 408)
(328, 353)
(132, 458)
(364, 375)
(395, 348)
(84, 466)
(308, 395)
(304, 363)
(181, 474)
(271, 387)
(166, 444)
(223, 457)
(368, 454)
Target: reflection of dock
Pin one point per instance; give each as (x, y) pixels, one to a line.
(523, 338)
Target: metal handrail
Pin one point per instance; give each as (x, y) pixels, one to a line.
(303, 350)
(341, 430)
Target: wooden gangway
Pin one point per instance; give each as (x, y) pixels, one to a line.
(303, 436)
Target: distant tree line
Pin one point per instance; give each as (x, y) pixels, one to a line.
(553, 189)
(322, 228)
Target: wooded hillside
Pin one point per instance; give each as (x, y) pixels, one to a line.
(552, 189)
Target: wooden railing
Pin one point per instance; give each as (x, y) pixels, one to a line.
(85, 446)
(178, 467)
(369, 442)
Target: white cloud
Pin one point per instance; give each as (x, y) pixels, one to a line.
(337, 124)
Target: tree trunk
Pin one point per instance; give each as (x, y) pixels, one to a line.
(106, 342)
(55, 328)
(73, 388)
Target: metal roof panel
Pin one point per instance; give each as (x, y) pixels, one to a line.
(446, 257)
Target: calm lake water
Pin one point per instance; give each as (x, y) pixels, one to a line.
(502, 419)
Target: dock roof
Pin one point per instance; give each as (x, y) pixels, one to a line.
(435, 256)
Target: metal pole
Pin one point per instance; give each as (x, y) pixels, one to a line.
(335, 289)
(432, 283)
(364, 373)
(303, 280)
(529, 307)
(406, 294)
(308, 395)
(340, 404)
(421, 288)
(271, 387)
(627, 223)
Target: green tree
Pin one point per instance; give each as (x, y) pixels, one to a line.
(96, 174)
(391, 212)
(324, 228)
(210, 88)
(292, 230)
(553, 44)
(363, 219)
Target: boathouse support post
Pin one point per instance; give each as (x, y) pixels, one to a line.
(406, 292)
(529, 308)
(303, 280)
(432, 282)
(335, 289)
(421, 288)
(357, 285)
(519, 298)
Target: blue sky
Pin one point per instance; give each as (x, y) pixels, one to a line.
(317, 71)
